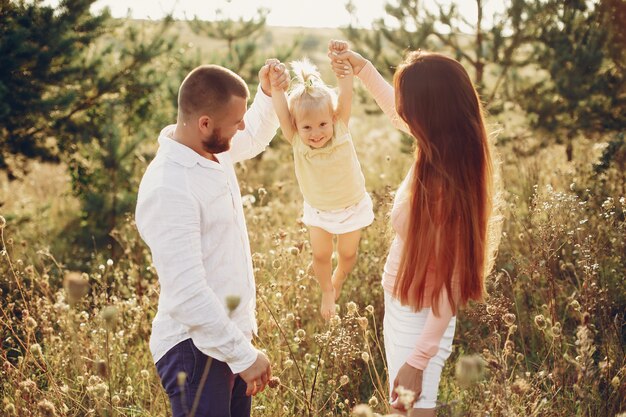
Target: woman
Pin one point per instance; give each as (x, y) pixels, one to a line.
(443, 215)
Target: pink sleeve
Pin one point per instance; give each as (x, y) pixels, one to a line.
(383, 93)
(428, 343)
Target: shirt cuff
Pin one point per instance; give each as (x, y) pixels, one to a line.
(246, 355)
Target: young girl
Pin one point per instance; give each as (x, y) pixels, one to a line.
(314, 120)
(444, 214)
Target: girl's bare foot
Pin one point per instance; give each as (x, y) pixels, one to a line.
(327, 308)
(339, 277)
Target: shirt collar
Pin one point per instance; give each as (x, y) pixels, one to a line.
(181, 154)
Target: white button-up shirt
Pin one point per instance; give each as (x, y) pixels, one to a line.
(189, 212)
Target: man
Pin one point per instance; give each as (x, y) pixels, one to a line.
(189, 212)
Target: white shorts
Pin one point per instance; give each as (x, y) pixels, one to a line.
(401, 329)
(341, 221)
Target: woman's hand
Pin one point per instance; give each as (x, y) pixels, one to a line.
(344, 60)
(409, 378)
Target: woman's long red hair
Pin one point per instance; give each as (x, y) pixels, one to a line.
(451, 191)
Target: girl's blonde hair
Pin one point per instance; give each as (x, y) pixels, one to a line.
(308, 91)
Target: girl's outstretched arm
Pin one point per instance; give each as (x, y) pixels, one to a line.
(348, 62)
(344, 84)
(279, 100)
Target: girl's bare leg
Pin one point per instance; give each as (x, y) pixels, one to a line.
(322, 245)
(347, 247)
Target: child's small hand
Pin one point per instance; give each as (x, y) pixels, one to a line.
(337, 46)
(273, 76)
(344, 60)
(279, 77)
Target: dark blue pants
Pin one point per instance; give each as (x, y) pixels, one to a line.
(223, 394)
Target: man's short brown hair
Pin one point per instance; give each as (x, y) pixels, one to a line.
(208, 88)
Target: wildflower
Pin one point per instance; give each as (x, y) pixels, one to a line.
(129, 391)
(144, 374)
(470, 369)
(362, 410)
(273, 382)
(352, 308)
(75, 287)
(116, 400)
(556, 329)
(509, 346)
(373, 402)
(335, 321)
(30, 323)
(300, 333)
(262, 193)
(509, 319)
(540, 321)
(35, 349)
(344, 380)
(575, 305)
(232, 302)
(615, 382)
(3, 222)
(46, 408)
(290, 317)
(288, 363)
(28, 385)
(406, 397)
(293, 250)
(365, 356)
(101, 368)
(370, 309)
(276, 264)
(109, 262)
(520, 386)
(9, 408)
(362, 322)
(109, 315)
(491, 310)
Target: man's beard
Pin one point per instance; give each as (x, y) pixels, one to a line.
(215, 143)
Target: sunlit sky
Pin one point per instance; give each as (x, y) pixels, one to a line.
(308, 13)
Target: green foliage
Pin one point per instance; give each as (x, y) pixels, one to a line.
(583, 91)
(44, 79)
(106, 162)
(416, 27)
(241, 39)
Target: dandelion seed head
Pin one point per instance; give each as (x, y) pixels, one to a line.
(362, 410)
(30, 323)
(540, 321)
(352, 308)
(46, 408)
(35, 349)
(509, 319)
